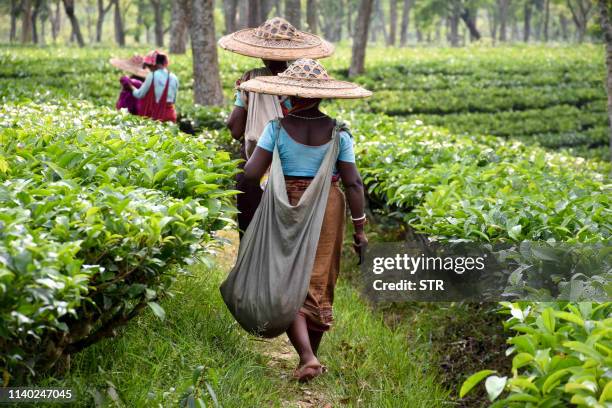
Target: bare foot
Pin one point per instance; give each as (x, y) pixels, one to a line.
(307, 371)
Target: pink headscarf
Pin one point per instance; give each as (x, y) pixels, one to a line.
(151, 57)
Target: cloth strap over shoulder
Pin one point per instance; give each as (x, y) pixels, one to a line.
(261, 108)
(269, 282)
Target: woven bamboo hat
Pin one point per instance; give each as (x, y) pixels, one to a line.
(305, 78)
(277, 40)
(132, 65)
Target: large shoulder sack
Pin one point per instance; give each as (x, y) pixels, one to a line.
(269, 282)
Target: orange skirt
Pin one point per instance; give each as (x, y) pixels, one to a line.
(317, 307)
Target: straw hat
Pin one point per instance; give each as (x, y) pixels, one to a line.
(132, 65)
(305, 78)
(277, 40)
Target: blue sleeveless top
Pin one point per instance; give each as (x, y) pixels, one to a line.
(298, 159)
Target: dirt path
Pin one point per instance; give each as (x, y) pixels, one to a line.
(281, 357)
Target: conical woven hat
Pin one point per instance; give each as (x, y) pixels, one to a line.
(277, 40)
(305, 78)
(132, 65)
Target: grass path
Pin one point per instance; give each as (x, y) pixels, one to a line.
(152, 362)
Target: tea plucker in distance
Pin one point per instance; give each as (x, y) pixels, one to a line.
(276, 41)
(302, 138)
(139, 71)
(159, 91)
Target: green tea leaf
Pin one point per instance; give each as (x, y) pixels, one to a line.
(473, 380)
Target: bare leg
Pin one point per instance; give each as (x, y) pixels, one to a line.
(298, 334)
(315, 337)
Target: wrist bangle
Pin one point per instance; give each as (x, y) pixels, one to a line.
(363, 217)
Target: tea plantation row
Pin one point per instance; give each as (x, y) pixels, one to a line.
(478, 188)
(552, 96)
(100, 210)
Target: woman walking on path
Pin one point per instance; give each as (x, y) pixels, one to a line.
(159, 90)
(302, 139)
(276, 41)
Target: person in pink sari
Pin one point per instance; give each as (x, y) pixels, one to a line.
(137, 67)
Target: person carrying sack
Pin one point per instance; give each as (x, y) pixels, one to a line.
(276, 41)
(289, 257)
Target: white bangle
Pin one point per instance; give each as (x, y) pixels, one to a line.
(358, 219)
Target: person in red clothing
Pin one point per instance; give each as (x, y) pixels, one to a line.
(159, 90)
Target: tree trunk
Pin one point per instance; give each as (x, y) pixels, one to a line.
(101, 14)
(311, 15)
(349, 18)
(515, 31)
(230, 12)
(206, 80)
(563, 23)
(34, 18)
(380, 19)
(90, 11)
(581, 11)
(159, 22)
(243, 14)
(76, 29)
(42, 39)
(119, 30)
(254, 13)
(546, 18)
(392, 22)
(454, 28)
(606, 26)
(405, 22)
(265, 8)
(360, 39)
(469, 18)
(139, 21)
(493, 24)
(503, 18)
(26, 22)
(178, 27)
(527, 11)
(15, 10)
(293, 12)
(56, 21)
(339, 24)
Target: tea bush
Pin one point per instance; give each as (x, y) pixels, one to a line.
(481, 188)
(553, 96)
(561, 355)
(100, 210)
(477, 188)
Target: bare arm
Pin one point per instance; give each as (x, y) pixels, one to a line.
(257, 165)
(237, 122)
(356, 201)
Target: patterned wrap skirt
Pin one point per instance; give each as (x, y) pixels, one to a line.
(317, 307)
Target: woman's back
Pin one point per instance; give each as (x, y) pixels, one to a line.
(302, 149)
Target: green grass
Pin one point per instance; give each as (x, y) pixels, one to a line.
(370, 365)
